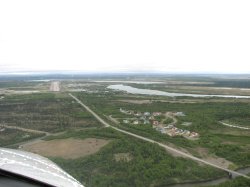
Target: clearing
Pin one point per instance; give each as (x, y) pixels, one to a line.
(67, 148)
(123, 157)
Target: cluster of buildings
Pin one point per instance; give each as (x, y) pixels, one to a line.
(171, 130)
(139, 117)
(151, 118)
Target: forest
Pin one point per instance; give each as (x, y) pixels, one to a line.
(205, 117)
(149, 164)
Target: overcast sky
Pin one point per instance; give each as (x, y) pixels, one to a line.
(125, 35)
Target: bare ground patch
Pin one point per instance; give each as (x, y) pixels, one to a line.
(67, 148)
(123, 157)
(204, 153)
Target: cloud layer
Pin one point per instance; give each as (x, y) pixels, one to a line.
(132, 35)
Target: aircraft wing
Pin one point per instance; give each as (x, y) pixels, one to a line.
(16, 165)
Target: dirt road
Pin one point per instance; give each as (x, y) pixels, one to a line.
(55, 86)
(158, 143)
(24, 129)
(170, 115)
(234, 126)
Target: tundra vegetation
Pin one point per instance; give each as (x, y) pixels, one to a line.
(229, 143)
(144, 164)
(149, 164)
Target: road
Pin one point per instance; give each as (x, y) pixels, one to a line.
(19, 144)
(234, 126)
(170, 115)
(92, 112)
(24, 129)
(160, 144)
(55, 86)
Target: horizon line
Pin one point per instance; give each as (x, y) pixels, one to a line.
(51, 72)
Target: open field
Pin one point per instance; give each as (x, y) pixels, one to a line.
(66, 148)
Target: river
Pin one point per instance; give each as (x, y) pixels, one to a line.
(132, 90)
(210, 182)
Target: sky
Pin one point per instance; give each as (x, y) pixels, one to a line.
(172, 36)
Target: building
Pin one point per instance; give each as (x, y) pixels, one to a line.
(125, 121)
(151, 118)
(155, 122)
(169, 126)
(143, 118)
(136, 122)
(138, 114)
(160, 129)
(194, 135)
(126, 111)
(156, 113)
(179, 114)
(186, 133)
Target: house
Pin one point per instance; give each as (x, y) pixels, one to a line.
(169, 126)
(125, 121)
(180, 131)
(146, 114)
(156, 113)
(138, 114)
(186, 133)
(154, 126)
(146, 122)
(136, 122)
(160, 129)
(143, 118)
(179, 114)
(194, 135)
(151, 118)
(171, 132)
(155, 122)
(130, 112)
(125, 111)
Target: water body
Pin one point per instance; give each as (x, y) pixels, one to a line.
(40, 80)
(211, 182)
(132, 90)
(132, 82)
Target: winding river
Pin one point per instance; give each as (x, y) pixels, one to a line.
(132, 90)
